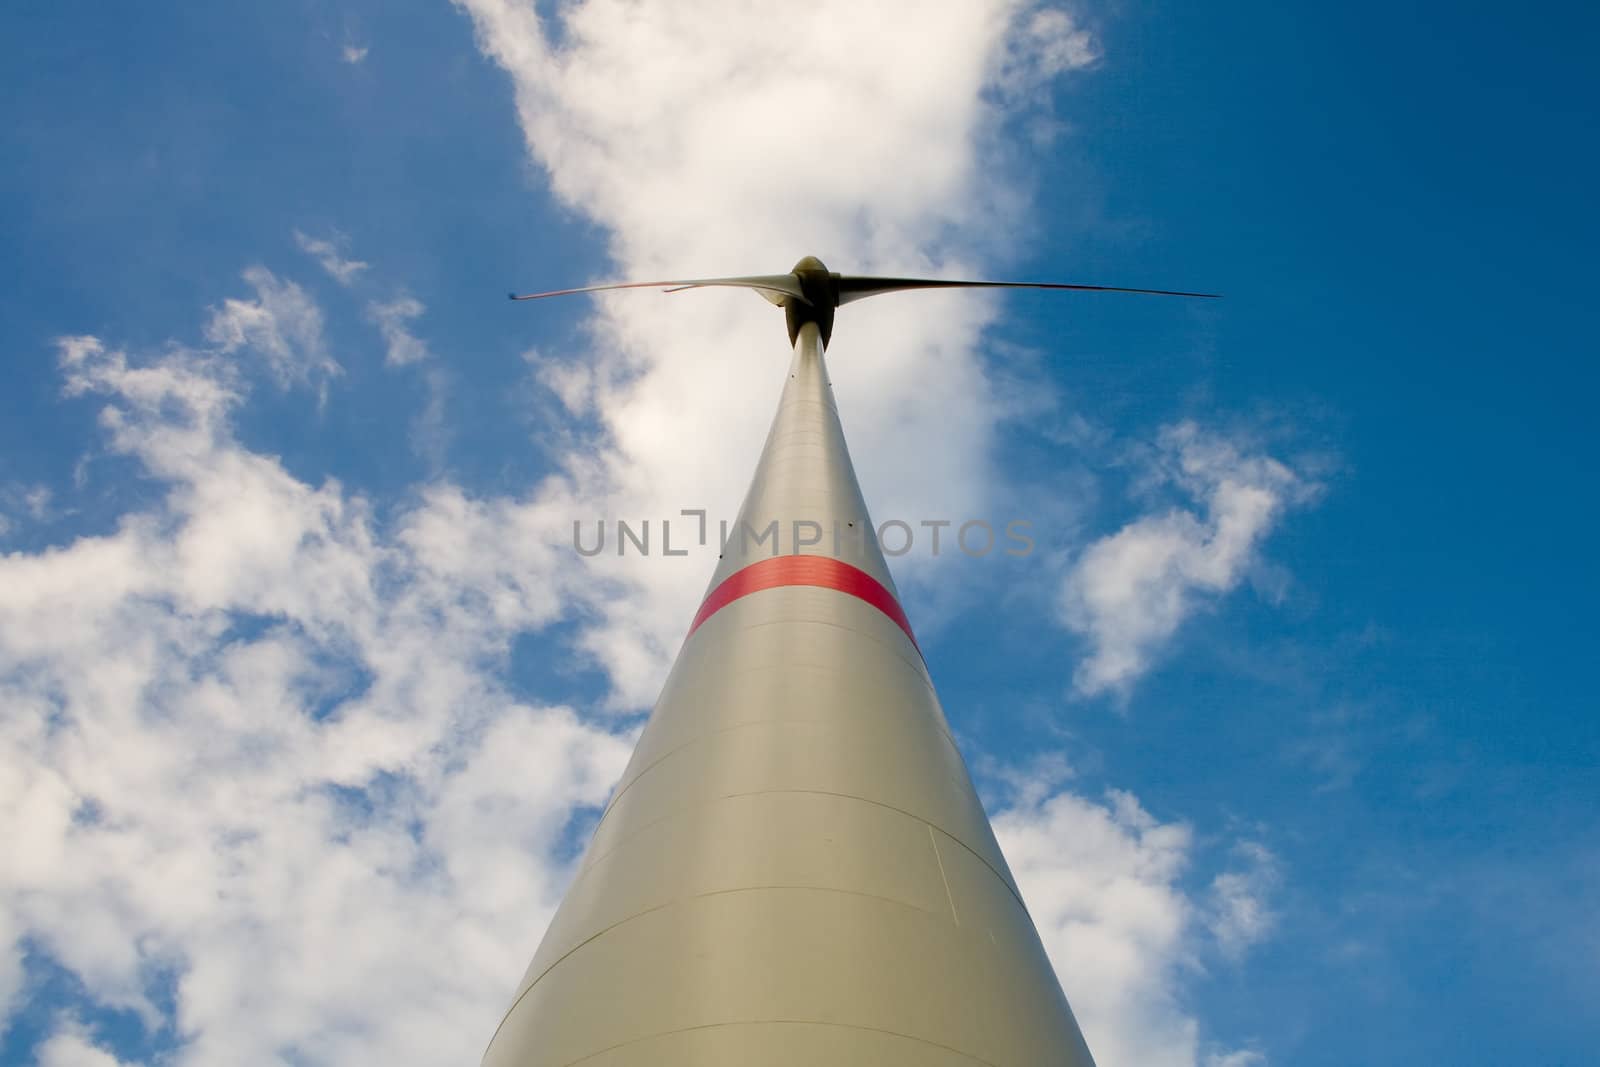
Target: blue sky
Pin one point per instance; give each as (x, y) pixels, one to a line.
(306, 605)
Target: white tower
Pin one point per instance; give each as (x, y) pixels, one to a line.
(795, 870)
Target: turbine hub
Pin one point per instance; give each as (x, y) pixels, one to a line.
(821, 288)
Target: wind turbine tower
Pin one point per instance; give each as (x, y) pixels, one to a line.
(795, 870)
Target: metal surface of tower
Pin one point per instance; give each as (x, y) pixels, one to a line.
(795, 869)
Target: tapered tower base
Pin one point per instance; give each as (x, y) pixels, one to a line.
(795, 870)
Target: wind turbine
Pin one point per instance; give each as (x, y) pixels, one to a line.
(795, 869)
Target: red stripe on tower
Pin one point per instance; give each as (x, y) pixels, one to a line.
(821, 572)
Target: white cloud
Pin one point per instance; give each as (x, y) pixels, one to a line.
(430, 430)
(258, 741)
(1129, 592)
(1237, 1058)
(11, 969)
(1103, 882)
(70, 1048)
(329, 253)
(1049, 43)
(27, 501)
(1239, 914)
(282, 324)
(354, 54)
(392, 319)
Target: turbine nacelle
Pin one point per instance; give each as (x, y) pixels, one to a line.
(821, 289)
(812, 293)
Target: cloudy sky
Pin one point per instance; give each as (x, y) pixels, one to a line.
(307, 704)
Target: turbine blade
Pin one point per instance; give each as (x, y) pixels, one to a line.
(775, 287)
(858, 288)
